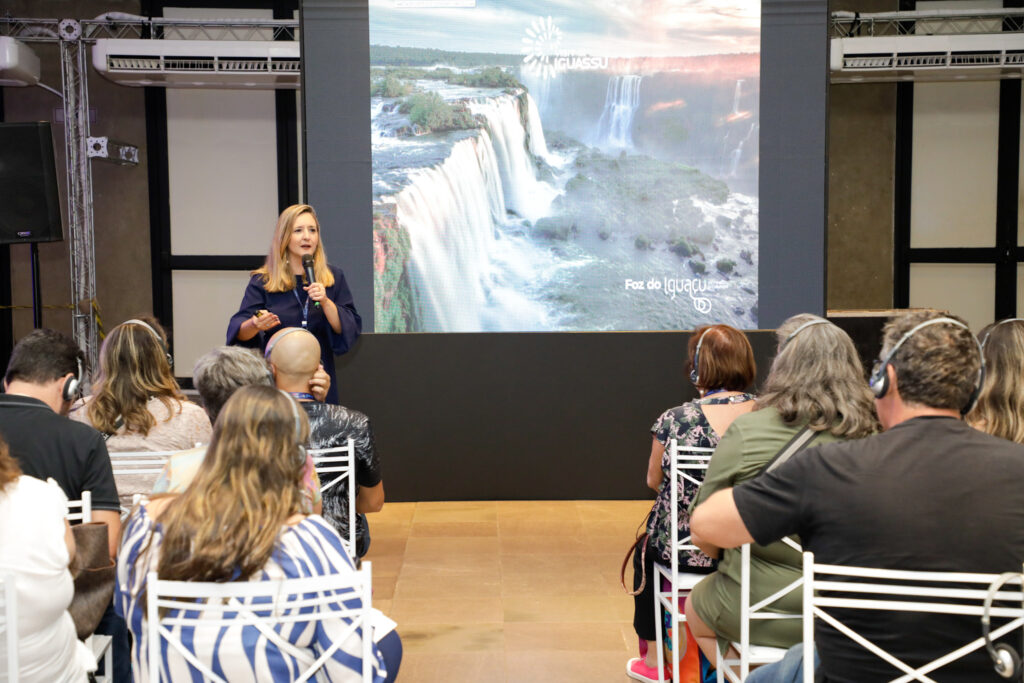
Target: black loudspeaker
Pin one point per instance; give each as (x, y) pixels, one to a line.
(30, 208)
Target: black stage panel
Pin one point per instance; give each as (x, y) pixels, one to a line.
(518, 416)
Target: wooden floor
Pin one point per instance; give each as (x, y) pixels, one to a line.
(507, 591)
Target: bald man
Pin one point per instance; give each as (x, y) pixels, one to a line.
(294, 356)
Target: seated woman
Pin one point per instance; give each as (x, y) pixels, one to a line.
(136, 401)
(239, 520)
(1000, 407)
(36, 547)
(720, 363)
(816, 382)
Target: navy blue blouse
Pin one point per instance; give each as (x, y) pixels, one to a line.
(291, 307)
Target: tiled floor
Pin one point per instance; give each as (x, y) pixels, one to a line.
(517, 591)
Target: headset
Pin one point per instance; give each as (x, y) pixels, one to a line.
(992, 329)
(298, 425)
(159, 339)
(73, 384)
(280, 335)
(1004, 658)
(809, 323)
(695, 370)
(879, 381)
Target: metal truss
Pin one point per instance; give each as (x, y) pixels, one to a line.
(927, 22)
(73, 36)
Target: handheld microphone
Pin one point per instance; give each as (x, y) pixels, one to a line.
(307, 265)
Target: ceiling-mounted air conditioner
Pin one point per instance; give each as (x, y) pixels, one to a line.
(976, 56)
(239, 65)
(19, 65)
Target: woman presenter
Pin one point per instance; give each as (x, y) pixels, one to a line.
(281, 293)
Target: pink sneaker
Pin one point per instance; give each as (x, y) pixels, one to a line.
(637, 669)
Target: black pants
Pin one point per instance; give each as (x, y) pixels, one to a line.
(643, 603)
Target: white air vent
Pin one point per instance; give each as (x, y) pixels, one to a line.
(927, 58)
(19, 65)
(257, 65)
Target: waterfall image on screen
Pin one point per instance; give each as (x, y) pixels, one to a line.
(580, 165)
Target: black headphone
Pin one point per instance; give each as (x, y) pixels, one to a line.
(1004, 658)
(992, 329)
(695, 370)
(879, 381)
(159, 339)
(72, 386)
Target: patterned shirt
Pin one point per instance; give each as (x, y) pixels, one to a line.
(688, 425)
(239, 652)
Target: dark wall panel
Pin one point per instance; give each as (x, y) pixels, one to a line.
(518, 416)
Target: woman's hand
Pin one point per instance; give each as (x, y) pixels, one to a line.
(317, 292)
(264, 320)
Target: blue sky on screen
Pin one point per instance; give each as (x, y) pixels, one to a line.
(609, 28)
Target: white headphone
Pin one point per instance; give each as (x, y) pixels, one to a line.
(159, 339)
(71, 387)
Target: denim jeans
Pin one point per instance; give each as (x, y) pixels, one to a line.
(789, 669)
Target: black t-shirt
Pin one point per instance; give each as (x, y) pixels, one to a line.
(46, 444)
(928, 494)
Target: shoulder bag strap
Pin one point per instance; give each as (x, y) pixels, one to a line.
(800, 441)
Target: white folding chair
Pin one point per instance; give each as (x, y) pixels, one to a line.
(8, 629)
(80, 510)
(205, 611)
(340, 463)
(136, 463)
(688, 464)
(950, 593)
(751, 654)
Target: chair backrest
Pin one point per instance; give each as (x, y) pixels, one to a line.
(80, 510)
(339, 604)
(688, 464)
(340, 464)
(140, 462)
(8, 629)
(924, 592)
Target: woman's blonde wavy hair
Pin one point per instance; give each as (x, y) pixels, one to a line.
(816, 378)
(224, 526)
(134, 368)
(276, 271)
(1000, 407)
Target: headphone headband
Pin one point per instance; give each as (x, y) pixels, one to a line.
(280, 335)
(159, 339)
(997, 324)
(695, 370)
(809, 323)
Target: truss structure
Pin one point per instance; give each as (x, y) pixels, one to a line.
(927, 22)
(73, 36)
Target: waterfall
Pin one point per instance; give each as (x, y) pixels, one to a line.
(538, 146)
(734, 160)
(736, 97)
(524, 194)
(621, 100)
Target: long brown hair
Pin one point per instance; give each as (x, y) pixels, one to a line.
(816, 378)
(1000, 407)
(276, 271)
(224, 526)
(9, 470)
(134, 368)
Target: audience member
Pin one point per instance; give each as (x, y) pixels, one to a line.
(1000, 407)
(35, 549)
(815, 392)
(294, 354)
(720, 363)
(240, 520)
(929, 493)
(218, 375)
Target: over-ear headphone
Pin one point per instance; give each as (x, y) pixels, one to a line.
(809, 323)
(159, 339)
(879, 381)
(695, 370)
(992, 329)
(278, 337)
(1004, 658)
(71, 387)
(298, 425)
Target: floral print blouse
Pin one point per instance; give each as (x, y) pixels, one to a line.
(686, 424)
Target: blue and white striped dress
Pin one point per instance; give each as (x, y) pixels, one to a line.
(240, 653)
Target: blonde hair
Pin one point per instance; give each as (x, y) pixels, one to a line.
(276, 271)
(1000, 407)
(134, 368)
(817, 379)
(226, 523)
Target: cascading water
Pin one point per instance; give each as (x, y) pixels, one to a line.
(524, 194)
(736, 97)
(737, 154)
(621, 100)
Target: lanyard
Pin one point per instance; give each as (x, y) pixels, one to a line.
(303, 395)
(305, 309)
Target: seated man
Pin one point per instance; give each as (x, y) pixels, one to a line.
(217, 375)
(929, 493)
(294, 356)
